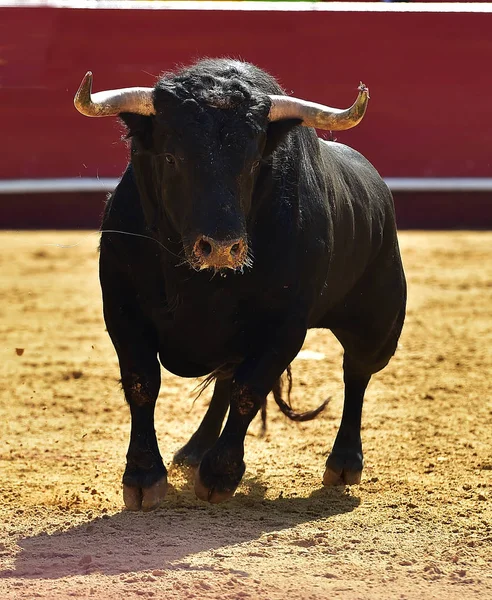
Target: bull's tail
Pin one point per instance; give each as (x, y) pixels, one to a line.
(286, 407)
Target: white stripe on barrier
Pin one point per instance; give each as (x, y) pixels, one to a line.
(107, 184)
(405, 7)
(439, 184)
(44, 186)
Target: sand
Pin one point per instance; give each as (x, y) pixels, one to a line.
(419, 526)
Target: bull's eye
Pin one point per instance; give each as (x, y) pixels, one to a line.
(170, 159)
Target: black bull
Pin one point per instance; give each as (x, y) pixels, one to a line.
(260, 231)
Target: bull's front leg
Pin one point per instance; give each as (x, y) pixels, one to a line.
(222, 467)
(145, 476)
(136, 343)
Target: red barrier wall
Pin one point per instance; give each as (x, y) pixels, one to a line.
(428, 73)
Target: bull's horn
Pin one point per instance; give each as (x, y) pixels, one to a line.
(137, 100)
(317, 115)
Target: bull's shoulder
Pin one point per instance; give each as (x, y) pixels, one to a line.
(127, 250)
(123, 207)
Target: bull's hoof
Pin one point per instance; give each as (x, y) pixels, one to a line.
(144, 489)
(344, 477)
(343, 469)
(145, 498)
(210, 494)
(217, 478)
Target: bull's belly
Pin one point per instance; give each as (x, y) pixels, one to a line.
(182, 367)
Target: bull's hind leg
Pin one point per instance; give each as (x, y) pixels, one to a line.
(209, 430)
(345, 462)
(362, 358)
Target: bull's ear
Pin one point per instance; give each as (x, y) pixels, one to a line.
(139, 129)
(276, 133)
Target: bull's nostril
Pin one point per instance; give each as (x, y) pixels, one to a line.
(221, 254)
(205, 248)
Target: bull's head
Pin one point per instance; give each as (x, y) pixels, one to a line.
(206, 139)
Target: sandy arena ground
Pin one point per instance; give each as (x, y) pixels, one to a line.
(418, 527)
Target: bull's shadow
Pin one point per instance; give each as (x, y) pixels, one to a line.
(183, 527)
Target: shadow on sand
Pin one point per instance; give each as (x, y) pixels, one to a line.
(181, 528)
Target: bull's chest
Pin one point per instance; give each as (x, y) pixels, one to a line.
(204, 332)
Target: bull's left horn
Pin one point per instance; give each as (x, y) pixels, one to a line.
(318, 115)
(110, 103)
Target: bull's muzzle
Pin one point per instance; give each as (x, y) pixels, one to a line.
(224, 254)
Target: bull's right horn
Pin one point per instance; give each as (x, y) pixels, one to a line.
(318, 115)
(110, 103)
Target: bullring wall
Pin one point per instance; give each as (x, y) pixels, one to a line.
(428, 72)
